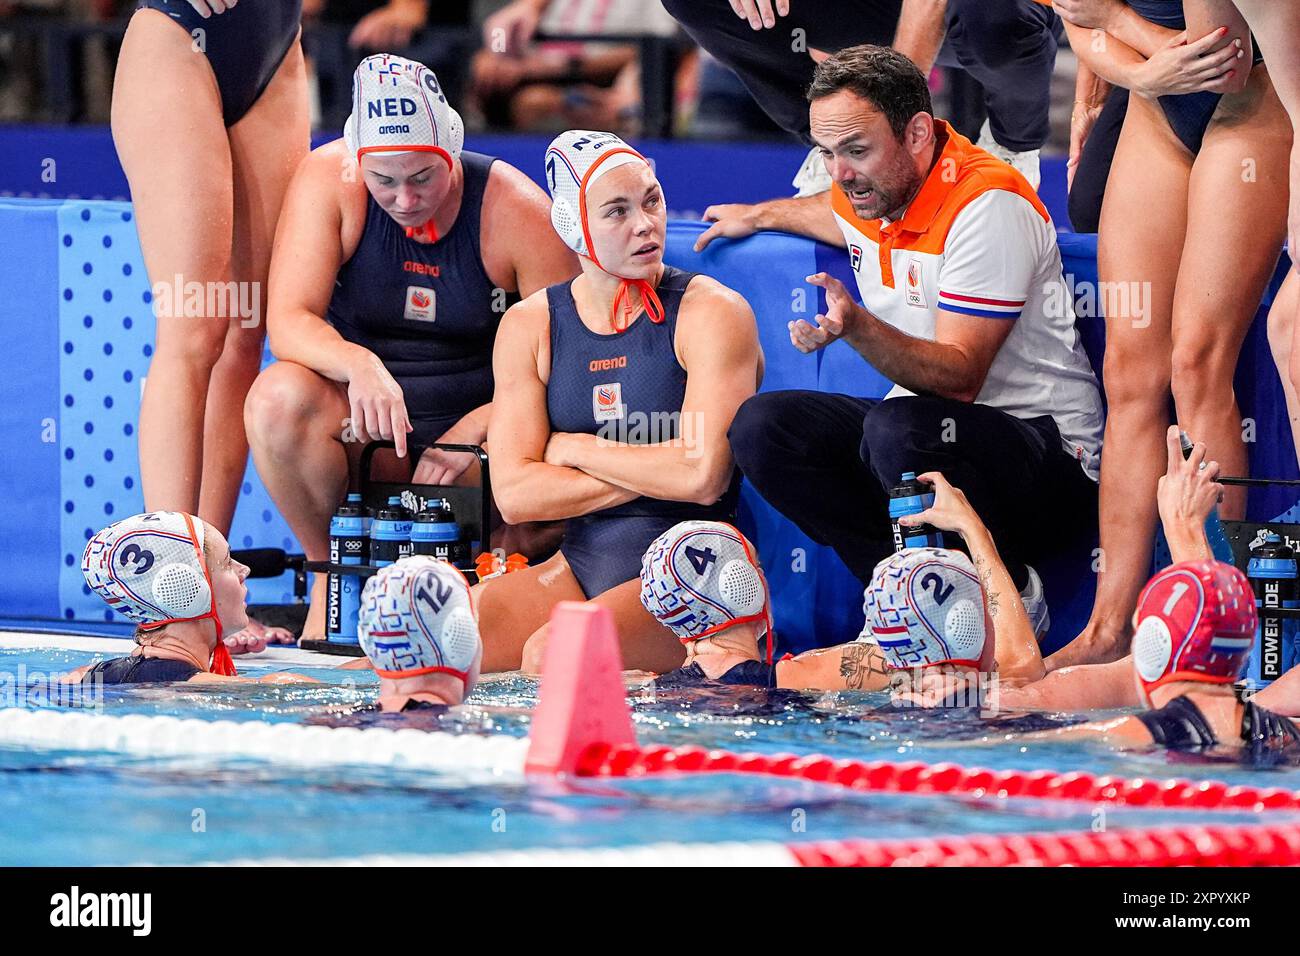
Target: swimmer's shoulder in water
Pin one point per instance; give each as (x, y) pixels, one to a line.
(139, 670)
(746, 673)
(415, 715)
(959, 719)
(1268, 739)
(1179, 725)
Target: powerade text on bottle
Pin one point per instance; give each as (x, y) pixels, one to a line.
(435, 532)
(1272, 573)
(390, 533)
(910, 497)
(348, 545)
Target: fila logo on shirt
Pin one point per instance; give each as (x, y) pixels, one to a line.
(855, 257)
(915, 285)
(421, 304)
(607, 402)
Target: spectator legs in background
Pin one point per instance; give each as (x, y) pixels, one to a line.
(774, 64)
(1009, 46)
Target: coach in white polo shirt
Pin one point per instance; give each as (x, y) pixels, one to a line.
(963, 306)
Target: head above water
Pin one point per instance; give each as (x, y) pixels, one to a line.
(1195, 621)
(608, 206)
(417, 626)
(870, 115)
(700, 578)
(925, 607)
(406, 138)
(166, 568)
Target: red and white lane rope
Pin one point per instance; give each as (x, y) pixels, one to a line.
(1243, 845)
(629, 760)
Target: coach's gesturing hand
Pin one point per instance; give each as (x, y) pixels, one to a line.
(842, 313)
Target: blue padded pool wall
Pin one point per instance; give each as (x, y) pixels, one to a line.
(82, 305)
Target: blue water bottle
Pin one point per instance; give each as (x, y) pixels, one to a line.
(390, 533)
(348, 545)
(1272, 573)
(434, 532)
(1214, 532)
(910, 497)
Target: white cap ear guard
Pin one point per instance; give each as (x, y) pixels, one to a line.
(700, 577)
(398, 106)
(151, 568)
(417, 618)
(925, 606)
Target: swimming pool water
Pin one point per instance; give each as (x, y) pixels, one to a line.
(96, 808)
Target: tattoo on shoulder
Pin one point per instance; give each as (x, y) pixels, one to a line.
(858, 660)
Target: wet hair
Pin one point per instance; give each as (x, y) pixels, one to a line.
(884, 77)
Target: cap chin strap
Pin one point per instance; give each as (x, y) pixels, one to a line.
(462, 676)
(649, 299)
(220, 662)
(428, 231)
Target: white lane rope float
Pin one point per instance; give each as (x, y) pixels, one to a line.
(139, 735)
(755, 853)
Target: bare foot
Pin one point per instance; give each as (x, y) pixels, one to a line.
(313, 629)
(1095, 644)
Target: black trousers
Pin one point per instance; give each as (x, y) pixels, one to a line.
(1009, 46)
(1094, 163)
(827, 463)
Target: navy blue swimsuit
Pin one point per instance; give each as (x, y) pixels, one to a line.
(746, 673)
(627, 386)
(245, 45)
(1269, 739)
(139, 670)
(427, 310)
(1188, 113)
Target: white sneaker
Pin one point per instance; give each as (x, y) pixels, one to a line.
(812, 178)
(1026, 162)
(1035, 602)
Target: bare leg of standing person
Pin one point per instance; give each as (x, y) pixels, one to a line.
(266, 146)
(173, 146)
